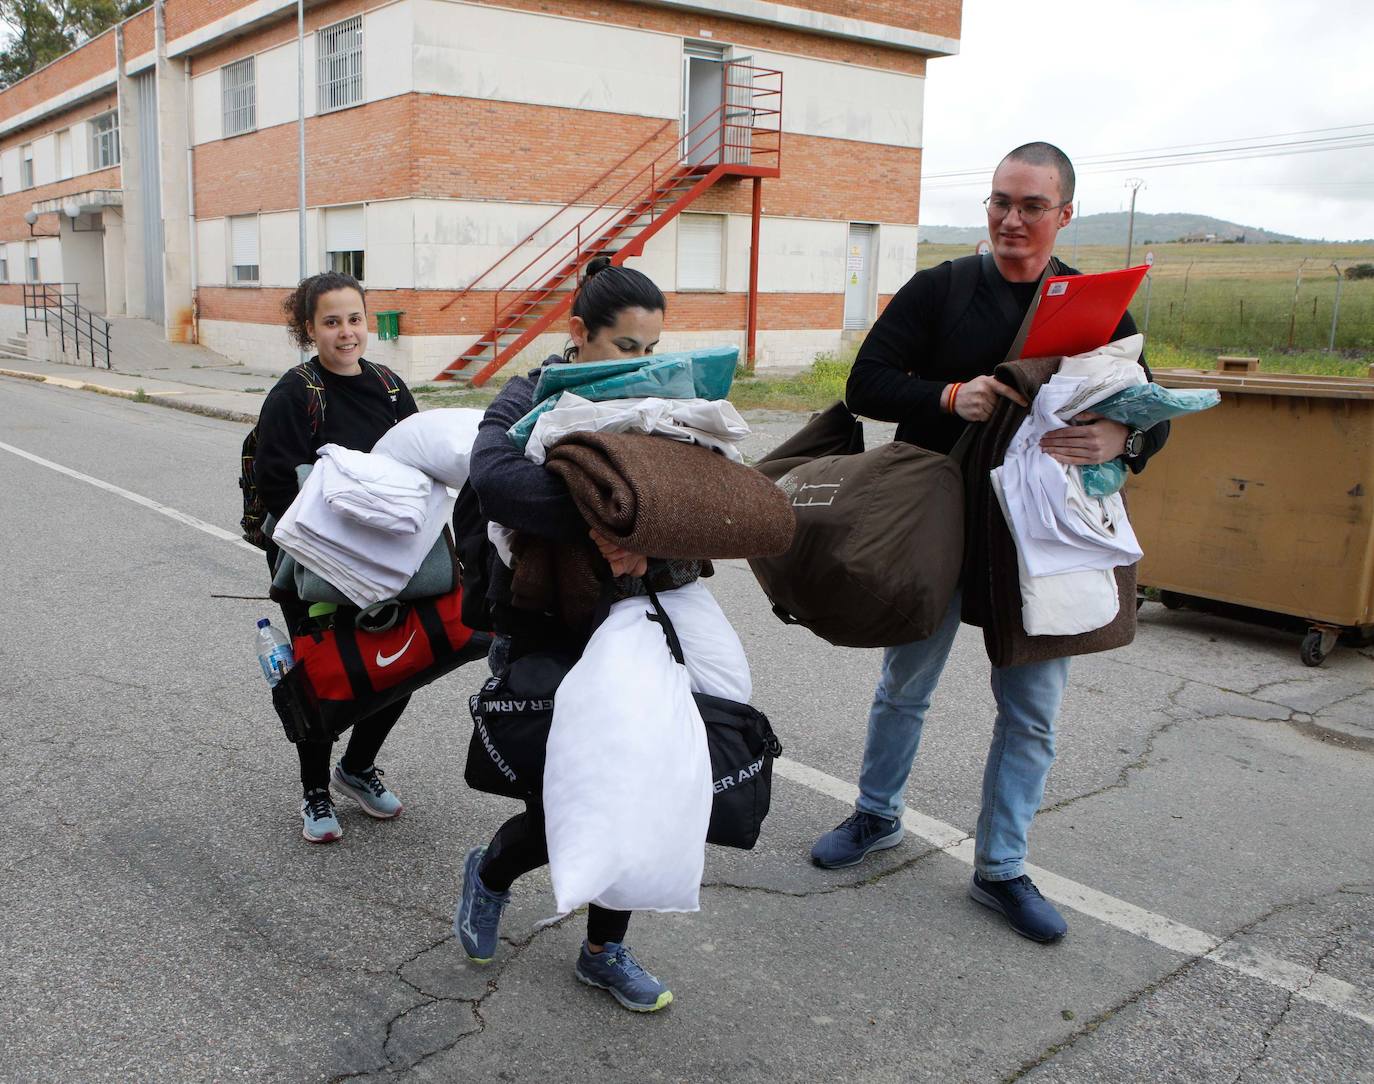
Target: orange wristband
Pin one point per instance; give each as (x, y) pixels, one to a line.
(953, 394)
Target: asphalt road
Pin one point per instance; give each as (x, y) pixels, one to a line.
(1209, 821)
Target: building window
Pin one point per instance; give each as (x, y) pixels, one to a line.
(26, 166)
(64, 154)
(344, 235)
(31, 250)
(339, 66)
(105, 140)
(4, 266)
(243, 251)
(238, 83)
(701, 252)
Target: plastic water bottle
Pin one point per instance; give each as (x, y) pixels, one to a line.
(274, 652)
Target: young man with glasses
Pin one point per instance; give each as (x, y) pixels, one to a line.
(926, 365)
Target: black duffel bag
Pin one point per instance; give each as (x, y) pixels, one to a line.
(511, 716)
(742, 746)
(512, 713)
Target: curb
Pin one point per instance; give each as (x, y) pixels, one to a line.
(164, 398)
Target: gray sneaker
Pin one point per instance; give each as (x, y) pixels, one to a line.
(318, 823)
(367, 789)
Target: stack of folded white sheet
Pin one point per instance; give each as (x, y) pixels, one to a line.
(366, 562)
(1067, 542)
(713, 423)
(374, 489)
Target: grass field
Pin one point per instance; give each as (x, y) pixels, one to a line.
(1211, 299)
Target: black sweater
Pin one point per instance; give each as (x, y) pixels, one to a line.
(357, 411)
(908, 357)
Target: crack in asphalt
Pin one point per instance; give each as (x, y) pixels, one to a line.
(390, 1068)
(828, 890)
(1140, 763)
(1055, 1049)
(1267, 1038)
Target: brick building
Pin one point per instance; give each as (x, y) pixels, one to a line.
(464, 158)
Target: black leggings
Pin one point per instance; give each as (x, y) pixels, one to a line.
(368, 734)
(518, 847)
(363, 746)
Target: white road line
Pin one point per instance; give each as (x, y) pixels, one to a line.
(137, 498)
(1332, 993)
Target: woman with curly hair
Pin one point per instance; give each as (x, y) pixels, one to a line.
(337, 397)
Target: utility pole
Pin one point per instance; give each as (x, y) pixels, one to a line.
(1135, 184)
(300, 105)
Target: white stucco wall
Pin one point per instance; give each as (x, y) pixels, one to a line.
(515, 56)
(846, 101)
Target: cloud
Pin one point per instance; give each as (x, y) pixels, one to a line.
(1100, 78)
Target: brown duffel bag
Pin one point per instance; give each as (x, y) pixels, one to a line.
(880, 535)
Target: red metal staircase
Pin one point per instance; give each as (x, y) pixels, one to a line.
(742, 137)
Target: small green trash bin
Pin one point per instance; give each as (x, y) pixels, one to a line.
(389, 324)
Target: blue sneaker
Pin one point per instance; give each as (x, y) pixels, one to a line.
(851, 842)
(615, 969)
(1020, 902)
(318, 823)
(477, 918)
(367, 789)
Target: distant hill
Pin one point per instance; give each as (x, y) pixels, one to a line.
(1109, 228)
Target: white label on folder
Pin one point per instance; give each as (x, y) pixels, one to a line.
(1057, 288)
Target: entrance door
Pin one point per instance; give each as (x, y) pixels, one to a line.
(858, 276)
(150, 194)
(703, 96)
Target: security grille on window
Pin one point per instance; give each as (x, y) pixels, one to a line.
(344, 236)
(238, 83)
(243, 251)
(701, 252)
(26, 166)
(105, 140)
(339, 67)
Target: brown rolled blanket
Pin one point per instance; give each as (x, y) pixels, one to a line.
(652, 495)
(668, 498)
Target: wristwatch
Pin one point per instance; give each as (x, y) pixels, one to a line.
(1135, 444)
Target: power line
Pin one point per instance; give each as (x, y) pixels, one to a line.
(1181, 150)
(1278, 150)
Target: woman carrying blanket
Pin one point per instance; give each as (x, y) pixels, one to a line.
(337, 397)
(617, 313)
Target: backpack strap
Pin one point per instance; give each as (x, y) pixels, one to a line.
(314, 383)
(963, 284)
(391, 382)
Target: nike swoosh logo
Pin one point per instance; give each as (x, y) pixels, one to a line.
(387, 660)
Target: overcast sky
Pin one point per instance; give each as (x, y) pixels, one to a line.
(1098, 77)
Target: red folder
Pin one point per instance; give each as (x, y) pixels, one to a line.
(1080, 312)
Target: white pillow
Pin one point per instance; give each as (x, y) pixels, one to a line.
(437, 442)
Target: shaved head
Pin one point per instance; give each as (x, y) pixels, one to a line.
(1051, 157)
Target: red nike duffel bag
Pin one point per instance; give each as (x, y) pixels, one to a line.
(345, 673)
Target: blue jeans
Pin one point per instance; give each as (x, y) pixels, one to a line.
(1028, 699)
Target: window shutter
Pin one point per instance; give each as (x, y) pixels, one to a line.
(344, 230)
(243, 241)
(700, 247)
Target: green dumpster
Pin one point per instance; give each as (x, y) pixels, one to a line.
(389, 324)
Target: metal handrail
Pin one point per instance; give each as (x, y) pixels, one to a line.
(72, 318)
(535, 232)
(647, 196)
